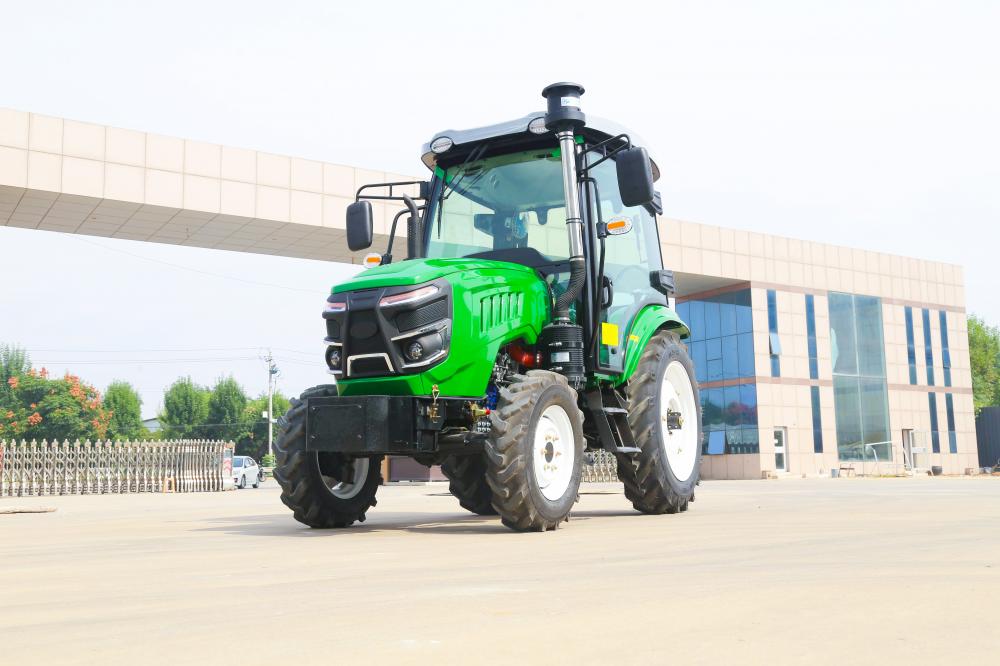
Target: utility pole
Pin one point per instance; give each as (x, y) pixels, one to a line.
(272, 370)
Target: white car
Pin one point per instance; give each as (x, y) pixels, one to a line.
(245, 472)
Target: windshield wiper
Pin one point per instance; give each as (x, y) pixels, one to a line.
(447, 188)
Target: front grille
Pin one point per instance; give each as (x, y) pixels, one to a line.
(333, 329)
(372, 365)
(427, 314)
(363, 333)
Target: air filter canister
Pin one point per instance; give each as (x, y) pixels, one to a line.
(561, 345)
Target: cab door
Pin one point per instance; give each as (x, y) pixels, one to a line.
(631, 252)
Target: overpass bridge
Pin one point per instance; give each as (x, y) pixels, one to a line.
(74, 177)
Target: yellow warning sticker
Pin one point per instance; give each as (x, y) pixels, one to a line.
(609, 334)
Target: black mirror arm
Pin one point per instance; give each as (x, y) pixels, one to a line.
(414, 211)
(621, 137)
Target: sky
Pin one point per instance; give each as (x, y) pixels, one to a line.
(872, 124)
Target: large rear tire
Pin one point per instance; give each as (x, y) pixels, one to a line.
(661, 478)
(310, 483)
(467, 482)
(535, 451)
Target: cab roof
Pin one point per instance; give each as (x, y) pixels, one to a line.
(597, 129)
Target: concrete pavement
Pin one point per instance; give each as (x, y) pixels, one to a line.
(788, 571)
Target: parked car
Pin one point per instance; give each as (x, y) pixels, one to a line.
(245, 471)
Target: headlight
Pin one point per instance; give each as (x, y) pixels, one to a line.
(339, 304)
(423, 349)
(409, 296)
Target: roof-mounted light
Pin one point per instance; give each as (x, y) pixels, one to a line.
(441, 144)
(537, 126)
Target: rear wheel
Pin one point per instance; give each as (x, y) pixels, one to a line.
(467, 482)
(665, 418)
(535, 451)
(322, 489)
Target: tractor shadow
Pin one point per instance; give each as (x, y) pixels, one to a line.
(271, 525)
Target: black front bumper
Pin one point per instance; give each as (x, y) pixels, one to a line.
(372, 424)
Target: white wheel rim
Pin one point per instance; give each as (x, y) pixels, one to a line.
(679, 444)
(553, 452)
(346, 490)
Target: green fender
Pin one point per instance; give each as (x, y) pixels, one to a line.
(650, 319)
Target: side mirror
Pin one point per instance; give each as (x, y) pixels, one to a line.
(359, 225)
(635, 177)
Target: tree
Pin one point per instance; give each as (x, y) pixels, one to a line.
(984, 356)
(33, 406)
(253, 442)
(226, 406)
(185, 410)
(14, 362)
(124, 403)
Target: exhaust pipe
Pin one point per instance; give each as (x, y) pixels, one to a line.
(563, 117)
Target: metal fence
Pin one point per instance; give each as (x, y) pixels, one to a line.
(82, 468)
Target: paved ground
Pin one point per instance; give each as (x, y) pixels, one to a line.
(789, 571)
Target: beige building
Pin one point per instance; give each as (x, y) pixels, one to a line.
(811, 357)
(856, 355)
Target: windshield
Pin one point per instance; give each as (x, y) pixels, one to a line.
(237, 462)
(501, 202)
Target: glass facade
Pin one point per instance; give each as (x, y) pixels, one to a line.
(859, 384)
(811, 336)
(935, 432)
(721, 346)
(817, 421)
(949, 404)
(911, 346)
(945, 351)
(928, 349)
(774, 341)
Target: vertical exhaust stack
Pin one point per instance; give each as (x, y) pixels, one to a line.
(561, 341)
(564, 117)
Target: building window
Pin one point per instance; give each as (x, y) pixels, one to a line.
(860, 393)
(811, 336)
(928, 351)
(949, 404)
(945, 351)
(911, 347)
(935, 434)
(729, 419)
(817, 421)
(721, 347)
(774, 342)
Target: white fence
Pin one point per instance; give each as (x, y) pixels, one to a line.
(81, 468)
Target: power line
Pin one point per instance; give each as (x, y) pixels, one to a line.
(161, 349)
(195, 270)
(132, 361)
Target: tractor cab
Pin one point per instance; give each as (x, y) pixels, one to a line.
(501, 197)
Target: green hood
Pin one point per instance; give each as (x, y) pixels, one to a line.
(418, 271)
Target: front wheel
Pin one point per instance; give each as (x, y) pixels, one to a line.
(664, 414)
(322, 489)
(467, 482)
(535, 451)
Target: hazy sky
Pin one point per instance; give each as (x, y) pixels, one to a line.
(874, 124)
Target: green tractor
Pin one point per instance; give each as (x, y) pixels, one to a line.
(529, 325)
